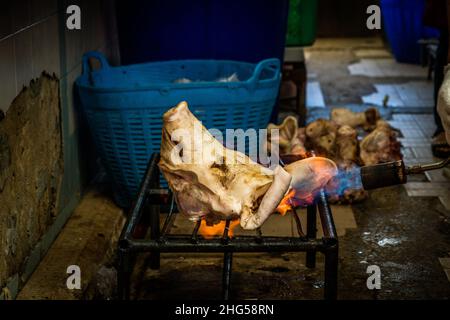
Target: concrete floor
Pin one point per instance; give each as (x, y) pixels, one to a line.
(405, 236)
(361, 70)
(88, 241)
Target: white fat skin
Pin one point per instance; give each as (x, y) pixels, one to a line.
(304, 172)
(181, 107)
(270, 201)
(226, 195)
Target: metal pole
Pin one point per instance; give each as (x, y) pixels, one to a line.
(311, 232)
(155, 256)
(331, 273)
(124, 274)
(226, 278)
(328, 227)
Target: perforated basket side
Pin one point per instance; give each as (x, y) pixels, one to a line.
(125, 105)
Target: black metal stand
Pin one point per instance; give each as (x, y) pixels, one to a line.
(311, 232)
(162, 241)
(226, 281)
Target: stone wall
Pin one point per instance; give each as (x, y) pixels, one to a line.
(30, 171)
(35, 205)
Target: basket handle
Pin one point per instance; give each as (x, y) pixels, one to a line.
(271, 64)
(94, 55)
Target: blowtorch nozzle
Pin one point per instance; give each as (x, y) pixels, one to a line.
(393, 173)
(383, 175)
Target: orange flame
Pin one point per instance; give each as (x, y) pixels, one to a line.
(209, 232)
(285, 204)
(305, 195)
(294, 199)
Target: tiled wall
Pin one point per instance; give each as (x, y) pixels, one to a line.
(33, 39)
(30, 40)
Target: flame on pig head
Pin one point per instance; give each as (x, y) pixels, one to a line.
(305, 188)
(345, 181)
(336, 182)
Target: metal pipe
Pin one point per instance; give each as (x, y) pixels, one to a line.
(331, 273)
(427, 167)
(311, 232)
(136, 212)
(383, 175)
(328, 228)
(226, 275)
(298, 224)
(124, 271)
(258, 238)
(168, 220)
(269, 244)
(394, 173)
(194, 236)
(225, 237)
(154, 234)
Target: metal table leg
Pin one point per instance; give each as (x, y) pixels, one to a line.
(331, 273)
(155, 257)
(124, 274)
(311, 231)
(226, 279)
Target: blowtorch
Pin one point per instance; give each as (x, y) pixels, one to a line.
(393, 173)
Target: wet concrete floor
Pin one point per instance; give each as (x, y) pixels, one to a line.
(403, 236)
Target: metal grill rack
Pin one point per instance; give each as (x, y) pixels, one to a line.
(146, 212)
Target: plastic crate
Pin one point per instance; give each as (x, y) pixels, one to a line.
(124, 106)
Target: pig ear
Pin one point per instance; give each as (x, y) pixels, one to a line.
(291, 126)
(270, 201)
(288, 128)
(174, 113)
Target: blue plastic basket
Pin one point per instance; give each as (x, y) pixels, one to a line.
(124, 106)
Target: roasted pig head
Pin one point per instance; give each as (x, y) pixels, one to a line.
(290, 139)
(367, 119)
(212, 182)
(347, 146)
(381, 145)
(321, 137)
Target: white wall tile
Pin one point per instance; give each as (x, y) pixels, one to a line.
(72, 112)
(94, 33)
(5, 20)
(7, 74)
(21, 14)
(24, 59)
(94, 26)
(74, 40)
(74, 48)
(45, 42)
(41, 9)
